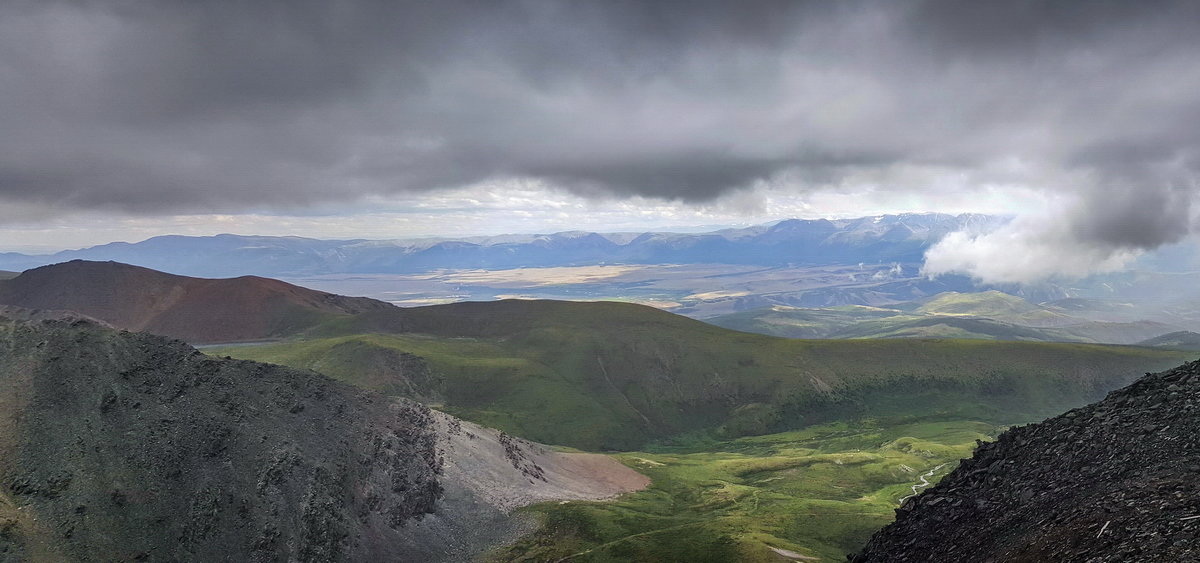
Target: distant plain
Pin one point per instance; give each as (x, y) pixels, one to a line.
(696, 290)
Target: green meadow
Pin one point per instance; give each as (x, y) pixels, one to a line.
(819, 492)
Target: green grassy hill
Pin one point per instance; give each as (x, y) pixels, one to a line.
(618, 376)
(796, 322)
(1181, 340)
(939, 326)
(994, 305)
(989, 315)
(944, 327)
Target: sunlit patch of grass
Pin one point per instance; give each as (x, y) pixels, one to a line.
(819, 492)
(611, 376)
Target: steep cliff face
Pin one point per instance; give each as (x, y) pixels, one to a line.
(1113, 481)
(120, 446)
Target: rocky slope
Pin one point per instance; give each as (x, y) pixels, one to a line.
(22, 314)
(487, 474)
(193, 309)
(123, 446)
(1112, 481)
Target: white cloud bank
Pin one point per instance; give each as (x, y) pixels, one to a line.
(1025, 250)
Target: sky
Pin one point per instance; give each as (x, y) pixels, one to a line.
(387, 119)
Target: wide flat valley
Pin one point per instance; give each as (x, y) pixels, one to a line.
(702, 290)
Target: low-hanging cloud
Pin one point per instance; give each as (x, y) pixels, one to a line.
(1027, 249)
(191, 107)
(1101, 224)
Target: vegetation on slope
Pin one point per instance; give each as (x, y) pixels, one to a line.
(1181, 340)
(613, 376)
(819, 492)
(994, 305)
(989, 315)
(796, 322)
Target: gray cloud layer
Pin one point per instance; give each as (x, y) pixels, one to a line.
(218, 105)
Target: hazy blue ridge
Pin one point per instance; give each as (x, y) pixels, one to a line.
(871, 240)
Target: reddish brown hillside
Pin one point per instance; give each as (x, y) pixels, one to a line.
(193, 309)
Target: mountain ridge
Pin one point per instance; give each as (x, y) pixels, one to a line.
(1179, 340)
(199, 310)
(876, 239)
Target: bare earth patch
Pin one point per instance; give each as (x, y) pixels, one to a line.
(487, 475)
(793, 555)
(510, 472)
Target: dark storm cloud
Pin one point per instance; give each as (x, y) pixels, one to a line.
(219, 105)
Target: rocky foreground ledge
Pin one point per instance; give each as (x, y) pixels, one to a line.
(1115, 481)
(119, 446)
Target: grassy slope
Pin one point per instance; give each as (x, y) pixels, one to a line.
(533, 369)
(819, 492)
(795, 322)
(1181, 340)
(989, 315)
(993, 305)
(945, 327)
(846, 322)
(617, 376)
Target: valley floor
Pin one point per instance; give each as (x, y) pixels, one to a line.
(812, 494)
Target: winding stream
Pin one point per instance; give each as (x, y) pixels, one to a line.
(924, 483)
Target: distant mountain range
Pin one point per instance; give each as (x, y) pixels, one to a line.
(871, 240)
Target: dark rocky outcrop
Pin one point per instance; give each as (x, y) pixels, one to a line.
(1113, 481)
(117, 446)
